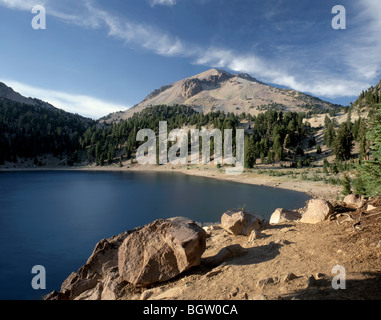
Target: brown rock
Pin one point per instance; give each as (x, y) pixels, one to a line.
(283, 215)
(370, 207)
(240, 222)
(92, 281)
(160, 251)
(316, 211)
(254, 235)
(288, 277)
(264, 282)
(354, 200)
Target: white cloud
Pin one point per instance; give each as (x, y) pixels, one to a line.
(82, 104)
(163, 2)
(21, 4)
(357, 51)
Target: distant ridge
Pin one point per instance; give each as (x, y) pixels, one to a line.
(9, 94)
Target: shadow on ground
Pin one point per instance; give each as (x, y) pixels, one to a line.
(358, 286)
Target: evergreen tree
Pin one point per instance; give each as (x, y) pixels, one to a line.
(329, 135)
(370, 171)
(250, 154)
(346, 185)
(343, 144)
(361, 137)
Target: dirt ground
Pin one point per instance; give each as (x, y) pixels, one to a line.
(291, 261)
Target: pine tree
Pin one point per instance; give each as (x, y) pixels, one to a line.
(370, 171)
(250, 153)
(364, 143)
(329, 135)
(346, 185)
(343, 144)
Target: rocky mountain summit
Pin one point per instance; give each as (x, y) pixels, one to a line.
(243, 257)
(218, 90)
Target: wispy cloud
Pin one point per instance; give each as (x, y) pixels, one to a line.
(163, 2)
(326, 85)
(143, 35)
(82, 104)
(357, 52)
(362, 49)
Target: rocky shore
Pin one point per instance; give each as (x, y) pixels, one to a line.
(243, 257)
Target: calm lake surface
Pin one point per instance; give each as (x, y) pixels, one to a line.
(55, 219)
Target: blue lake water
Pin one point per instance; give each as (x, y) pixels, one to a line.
(54, 219)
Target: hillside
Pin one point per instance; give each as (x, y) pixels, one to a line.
(218, 90)
(30, 128)
(8, 94)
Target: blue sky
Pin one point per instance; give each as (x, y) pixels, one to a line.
(95, 57)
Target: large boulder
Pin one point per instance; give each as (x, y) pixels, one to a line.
(98, 279)
(160, 251)
(354, 200)
(240, 222)
(317, 210)
(283, 215)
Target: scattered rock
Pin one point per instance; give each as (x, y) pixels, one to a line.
(254, 235)
(264, 282)
(288, 277)
(316, 211)
(283, 215)
(211, 228)
(226, 253)
(370, 207)
(354, 200)
(240, 222)
(160, 251)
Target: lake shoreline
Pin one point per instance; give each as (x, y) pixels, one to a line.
(314, 189)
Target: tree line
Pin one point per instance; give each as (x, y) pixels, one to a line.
(29, 131)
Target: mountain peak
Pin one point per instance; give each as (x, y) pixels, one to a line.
(219, 90)
(210, 73)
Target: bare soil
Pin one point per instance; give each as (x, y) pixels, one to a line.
(291, 261)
